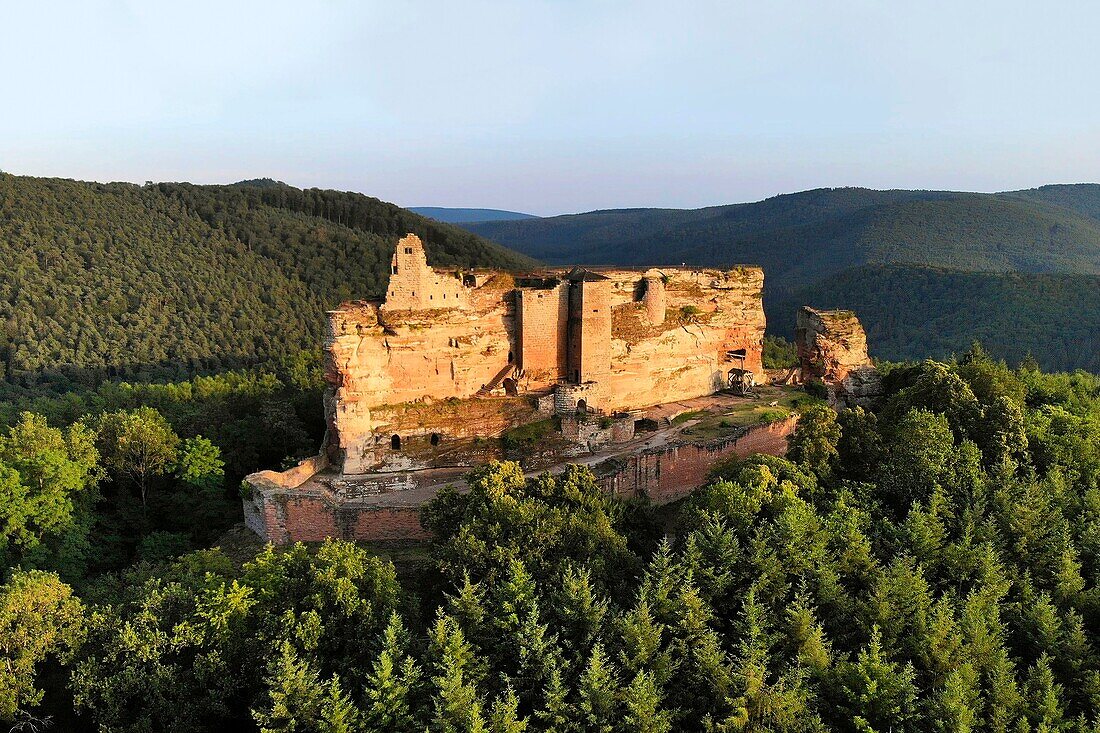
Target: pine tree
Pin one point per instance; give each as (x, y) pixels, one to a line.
(644, 713)
(556, 711)
(393, 687)
(956, 705)
(1044, 697)
(659, 584)
(338, 713)
(1003, 698)
(643, 645)
(580, 612)
(597, 693)
(505, 717)
(805, 638)
(764, 700)
(299, 702)
(522, 648)
(456, 704)
(875, 693)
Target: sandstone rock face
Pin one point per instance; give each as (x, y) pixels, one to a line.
(376, 359)
(708, 314)
(832, 349)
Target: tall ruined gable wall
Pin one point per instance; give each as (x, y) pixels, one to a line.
(589, 330)
(414, 285)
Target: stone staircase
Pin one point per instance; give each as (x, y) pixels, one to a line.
(495, 382)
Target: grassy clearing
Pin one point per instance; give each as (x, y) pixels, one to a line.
(750, 412)
(527, 435)
(684, 417)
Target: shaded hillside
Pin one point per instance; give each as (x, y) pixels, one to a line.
(1084, 198)
(912, 313)
(840, 242)
(459, 216)
(118, 280)
(800, 237)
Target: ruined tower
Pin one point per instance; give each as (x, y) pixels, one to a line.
(654, 296)
(589, 357)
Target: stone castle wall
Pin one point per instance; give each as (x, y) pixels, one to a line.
(415, 286)
(672, 472)
(543, 316)
(375, 359)
(665, 474)
(589, 358)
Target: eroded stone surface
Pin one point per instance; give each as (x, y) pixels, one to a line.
(832, 349)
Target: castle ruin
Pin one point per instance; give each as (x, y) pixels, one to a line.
(407, 374)
(633, 372)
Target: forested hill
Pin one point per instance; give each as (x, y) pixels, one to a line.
(915, 312)
(164, 280)
(799, 236)
(807, 240)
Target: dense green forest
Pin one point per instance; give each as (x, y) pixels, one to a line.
(929, 565)
(170, 280)
(844, 246)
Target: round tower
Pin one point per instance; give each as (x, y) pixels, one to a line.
(654, 297)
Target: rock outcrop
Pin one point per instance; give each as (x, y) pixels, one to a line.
(832, 350)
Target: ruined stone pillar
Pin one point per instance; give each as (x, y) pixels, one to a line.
(654, 297)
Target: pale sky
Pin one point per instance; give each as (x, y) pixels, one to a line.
(553, 107)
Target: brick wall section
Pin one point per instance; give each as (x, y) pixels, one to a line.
(672, 472)
(664, 475)
(286, 518)
(388, 524)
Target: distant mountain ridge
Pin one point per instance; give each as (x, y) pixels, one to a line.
(465, 216)
(809, 239)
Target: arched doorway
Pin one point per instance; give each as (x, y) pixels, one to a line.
(435, 439)
(510, 387)
(395, 442)
(582, 407)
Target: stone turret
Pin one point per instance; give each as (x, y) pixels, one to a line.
(654, 296)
